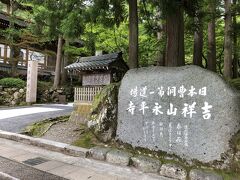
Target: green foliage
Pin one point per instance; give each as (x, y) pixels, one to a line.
(12, 83)
(235, 83)
(54, 18)
(2, 7)
(104, 94)
(74, 52)
(103, 25)
(149, 47)
(98, 37)
(86, 140)
(108, 12)
(11, 35)
(43, 85)
(4, 74)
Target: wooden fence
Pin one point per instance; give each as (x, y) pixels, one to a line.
(86, 94)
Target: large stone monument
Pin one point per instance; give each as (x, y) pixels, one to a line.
(32, 73)
(187, 111)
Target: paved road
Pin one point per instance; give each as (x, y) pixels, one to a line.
(16, 119)
(21, 171)
(61, 165)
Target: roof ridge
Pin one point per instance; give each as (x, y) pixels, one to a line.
(92, 62)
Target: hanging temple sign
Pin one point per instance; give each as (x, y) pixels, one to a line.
(187, 111)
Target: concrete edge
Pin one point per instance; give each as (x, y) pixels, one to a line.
(74, 151)
(146, 164)
(5, 176)
(46, 144)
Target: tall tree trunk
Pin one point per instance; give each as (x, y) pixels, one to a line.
(11, 25)
(198, 43)
(58, 63)
(212, 38)
(175, 38)
(228, 41)
(15, 57)
(161, 37)
(235, 42)
(65, 63)
(133, 34)
(161, 55)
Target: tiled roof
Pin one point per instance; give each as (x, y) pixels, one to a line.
(94, 62)
(5, 17)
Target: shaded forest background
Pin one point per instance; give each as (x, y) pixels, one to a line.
(148, 32)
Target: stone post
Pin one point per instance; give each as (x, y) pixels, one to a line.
(32, 73)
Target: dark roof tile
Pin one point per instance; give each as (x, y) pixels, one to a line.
(94, 62)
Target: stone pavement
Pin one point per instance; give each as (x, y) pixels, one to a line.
(17, 118)
(35, 160)
(22, 171)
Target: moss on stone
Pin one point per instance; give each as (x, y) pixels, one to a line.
(106, 92)
(103, 116)
(85, 141)
(87, 138)
(38, 129)
(227, 175)
(236, 141)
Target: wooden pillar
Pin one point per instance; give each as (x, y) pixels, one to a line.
(27, 56)
(5, 54)
(45, 61)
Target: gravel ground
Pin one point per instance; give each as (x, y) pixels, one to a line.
(65, 132)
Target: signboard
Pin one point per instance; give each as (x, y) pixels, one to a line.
(96, 79)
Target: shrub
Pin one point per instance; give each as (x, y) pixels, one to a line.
(235, 83)
(4, 74)
(12, 83)
(42, 86)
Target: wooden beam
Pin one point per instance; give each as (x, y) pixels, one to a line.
(27, 56)
(5, 54)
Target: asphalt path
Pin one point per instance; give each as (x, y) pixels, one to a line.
(17, 118)
(21, 171)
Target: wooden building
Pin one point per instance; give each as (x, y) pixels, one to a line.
(96, 72)
(46, 62)
(27, 52)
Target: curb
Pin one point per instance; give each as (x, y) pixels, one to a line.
(113, 156)
(4, 176)
(46, 144)
(151, 165)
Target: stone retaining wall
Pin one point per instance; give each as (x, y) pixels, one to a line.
(12, 96)
(54, 95)
(164, 167)
(17, 96)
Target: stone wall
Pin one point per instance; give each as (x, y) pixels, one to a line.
(12, 96)
(17, 96)
(166, 166)
(54, 95)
